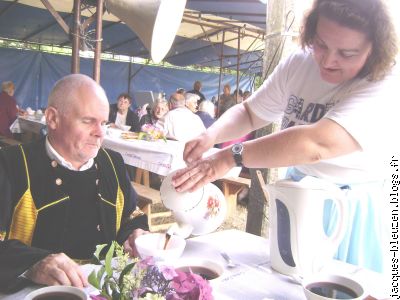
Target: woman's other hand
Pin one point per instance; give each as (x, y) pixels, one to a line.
(195, 148)
(203, 171)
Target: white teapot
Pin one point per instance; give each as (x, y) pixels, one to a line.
(197, 213)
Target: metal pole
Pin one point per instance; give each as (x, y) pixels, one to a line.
(238, 67)
(129, 75)
(97, 52)
(75, 37)
(220, 68)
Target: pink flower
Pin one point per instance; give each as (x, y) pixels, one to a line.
(191, 286)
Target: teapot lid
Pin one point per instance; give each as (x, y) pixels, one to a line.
(178, 201)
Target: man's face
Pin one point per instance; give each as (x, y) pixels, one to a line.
(339, 51)
(227, 91)
(192, 104)
(78, 133)
(123, 104)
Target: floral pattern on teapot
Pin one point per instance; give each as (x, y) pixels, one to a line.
(213, 207)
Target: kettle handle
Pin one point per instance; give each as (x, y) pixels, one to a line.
(343, 215)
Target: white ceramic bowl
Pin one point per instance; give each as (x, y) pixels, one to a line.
(113, 132)
(152, 244)
(325, 286)
(55, 292)
(125, 127)
(30, 111)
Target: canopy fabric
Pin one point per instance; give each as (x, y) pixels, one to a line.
(34, 73)
(198, 41)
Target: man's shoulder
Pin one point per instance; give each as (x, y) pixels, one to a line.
(113, 155)
(6, 98)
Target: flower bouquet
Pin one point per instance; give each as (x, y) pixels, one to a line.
(124, 278)
(150, 132)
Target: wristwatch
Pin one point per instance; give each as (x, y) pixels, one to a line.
(237, 150)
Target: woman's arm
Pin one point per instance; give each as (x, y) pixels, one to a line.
(304, 144)
(234, 123)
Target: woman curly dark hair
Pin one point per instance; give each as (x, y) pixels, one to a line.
(370, 17)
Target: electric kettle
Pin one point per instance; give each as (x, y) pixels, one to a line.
(299, 245)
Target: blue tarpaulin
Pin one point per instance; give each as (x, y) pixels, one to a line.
(34, 73)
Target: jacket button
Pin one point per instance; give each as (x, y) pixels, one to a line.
(58, 181)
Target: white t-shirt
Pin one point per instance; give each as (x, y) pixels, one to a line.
(120, 120)
(296, 94)
(182, 124)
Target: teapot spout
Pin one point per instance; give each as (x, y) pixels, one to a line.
(183, 230)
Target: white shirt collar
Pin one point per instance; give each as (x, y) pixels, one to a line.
(54, 155)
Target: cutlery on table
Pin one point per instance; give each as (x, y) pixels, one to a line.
(230, 262)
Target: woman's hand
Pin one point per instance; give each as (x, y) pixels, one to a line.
(203, 171)
(195, 148)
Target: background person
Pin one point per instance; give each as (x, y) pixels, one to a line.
(226, 100)
(154, 113)
(121, 114)
(191, 101)
(197, 90)
(64, 194)
(180, 123)
(8, 108)
(206, 113)
(337, 99)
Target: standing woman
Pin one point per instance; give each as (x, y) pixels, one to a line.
(338, 101)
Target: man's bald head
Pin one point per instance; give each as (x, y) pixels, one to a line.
(67, 91)
(177, 100)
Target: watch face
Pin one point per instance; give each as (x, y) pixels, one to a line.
(237, 148)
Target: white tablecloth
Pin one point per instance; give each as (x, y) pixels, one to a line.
(27, 124)
(158, 156)
(254, 278)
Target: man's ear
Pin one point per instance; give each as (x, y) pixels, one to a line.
(52, 117)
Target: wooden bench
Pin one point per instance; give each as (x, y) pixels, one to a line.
(6, 141)
(231, 186)
(147, 199)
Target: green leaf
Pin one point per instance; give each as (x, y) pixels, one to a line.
(116, 295)
(125, 271)
(109, 257)
(106, 290)
(100, 273)
(93, 280)
(96, 254)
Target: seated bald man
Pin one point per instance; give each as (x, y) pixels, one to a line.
(63, 195)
